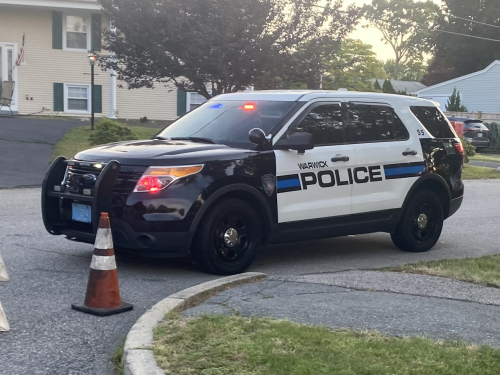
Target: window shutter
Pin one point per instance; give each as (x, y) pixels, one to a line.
(95, 30)
(97, 98)
(57, 30)
(181, 102)
(58, 97)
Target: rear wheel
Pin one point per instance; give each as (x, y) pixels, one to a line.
(227, 238)
(421, 223)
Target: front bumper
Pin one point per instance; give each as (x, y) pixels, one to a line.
(57, 222)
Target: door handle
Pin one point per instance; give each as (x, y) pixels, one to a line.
(409, 152)
(340, 158)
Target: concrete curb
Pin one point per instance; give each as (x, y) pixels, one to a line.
(138, 357)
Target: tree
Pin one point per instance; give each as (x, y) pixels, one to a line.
(411, 71)
(460, 54)
(454, 103)
(439, 71)
(405, 26)
(352, 67)
(387, 87)
(225, 45)
(376, 85)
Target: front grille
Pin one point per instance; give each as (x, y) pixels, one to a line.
(79, 177)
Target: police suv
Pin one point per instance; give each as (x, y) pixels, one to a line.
(247, 169)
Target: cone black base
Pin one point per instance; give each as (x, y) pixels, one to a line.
(103, 312)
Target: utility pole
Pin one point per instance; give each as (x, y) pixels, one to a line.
(92, 59)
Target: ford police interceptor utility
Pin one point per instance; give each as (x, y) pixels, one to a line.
(247, 169)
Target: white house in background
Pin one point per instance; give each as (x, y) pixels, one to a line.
(54, 77)
(480, 91)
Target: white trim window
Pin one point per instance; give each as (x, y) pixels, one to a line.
(194, 100)
(77, 98)
(76, 32)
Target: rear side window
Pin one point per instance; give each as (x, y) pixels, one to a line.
(434, 121)
(374, 123)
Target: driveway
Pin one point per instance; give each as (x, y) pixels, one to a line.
(26, 146)
(49, 273)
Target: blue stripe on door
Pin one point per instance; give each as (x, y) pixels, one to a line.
(293, 182)
(404, 170)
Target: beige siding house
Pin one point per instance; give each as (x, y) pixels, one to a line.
(55, 75)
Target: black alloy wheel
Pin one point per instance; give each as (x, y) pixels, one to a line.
(420, 224)
(227, 238)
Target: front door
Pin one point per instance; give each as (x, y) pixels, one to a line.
(7, 71)
(315, 184)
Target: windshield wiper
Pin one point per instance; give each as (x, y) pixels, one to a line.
(193, 139)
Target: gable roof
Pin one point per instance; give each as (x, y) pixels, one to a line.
(496, 62)
(407, 86)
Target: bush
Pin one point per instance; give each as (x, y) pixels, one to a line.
(143, 120)
(494, 134)
(108, 131)
(469, 149)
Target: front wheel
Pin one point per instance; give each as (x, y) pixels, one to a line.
(227, 238)
(421, 223)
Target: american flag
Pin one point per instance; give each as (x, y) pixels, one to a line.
(20, 56)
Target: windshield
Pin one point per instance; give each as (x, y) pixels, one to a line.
(227, 122)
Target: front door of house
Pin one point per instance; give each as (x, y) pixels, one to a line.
(7, 71)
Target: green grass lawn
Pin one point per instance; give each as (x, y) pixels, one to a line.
(486, 157)
(77, 140)
(484, 270)
(471, 172)
(238, 345)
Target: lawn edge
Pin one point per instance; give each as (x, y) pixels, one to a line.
(138, 357)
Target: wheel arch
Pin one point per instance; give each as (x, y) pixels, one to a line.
(244, 192)
(435, 183)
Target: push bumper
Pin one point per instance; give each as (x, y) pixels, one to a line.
(155, 244)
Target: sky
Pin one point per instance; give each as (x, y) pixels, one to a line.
(371, 35)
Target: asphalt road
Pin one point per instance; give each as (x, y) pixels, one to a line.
(26, 147)
(49, 273)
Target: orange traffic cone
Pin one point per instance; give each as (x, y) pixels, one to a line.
(103, 294)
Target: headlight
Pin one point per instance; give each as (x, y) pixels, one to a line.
(158, 178)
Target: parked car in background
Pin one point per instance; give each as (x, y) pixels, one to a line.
(474, 131)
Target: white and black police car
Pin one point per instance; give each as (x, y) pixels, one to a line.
(247, 169)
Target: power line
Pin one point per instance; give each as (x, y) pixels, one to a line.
(467, 35)
(468, 20)
(451, 15)
(448, 32)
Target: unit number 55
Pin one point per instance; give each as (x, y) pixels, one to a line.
(420, 132)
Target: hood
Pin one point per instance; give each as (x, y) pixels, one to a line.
(156, 152)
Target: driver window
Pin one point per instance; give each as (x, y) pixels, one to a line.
(325, 123)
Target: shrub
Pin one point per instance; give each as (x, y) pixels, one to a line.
(108, 131)
(494, 134)
(469, 149)
(454, 103)
(143, 120)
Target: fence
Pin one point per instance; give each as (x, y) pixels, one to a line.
(488, 117)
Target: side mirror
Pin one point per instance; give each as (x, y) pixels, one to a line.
(300, 141)
(257, 136)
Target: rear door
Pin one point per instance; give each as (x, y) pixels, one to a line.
(388, 158)
(312, 185)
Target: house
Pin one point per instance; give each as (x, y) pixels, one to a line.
(480, 91)
(401, 86)
(54, 78)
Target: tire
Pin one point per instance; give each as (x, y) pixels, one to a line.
(227, 238)
(421, 223)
